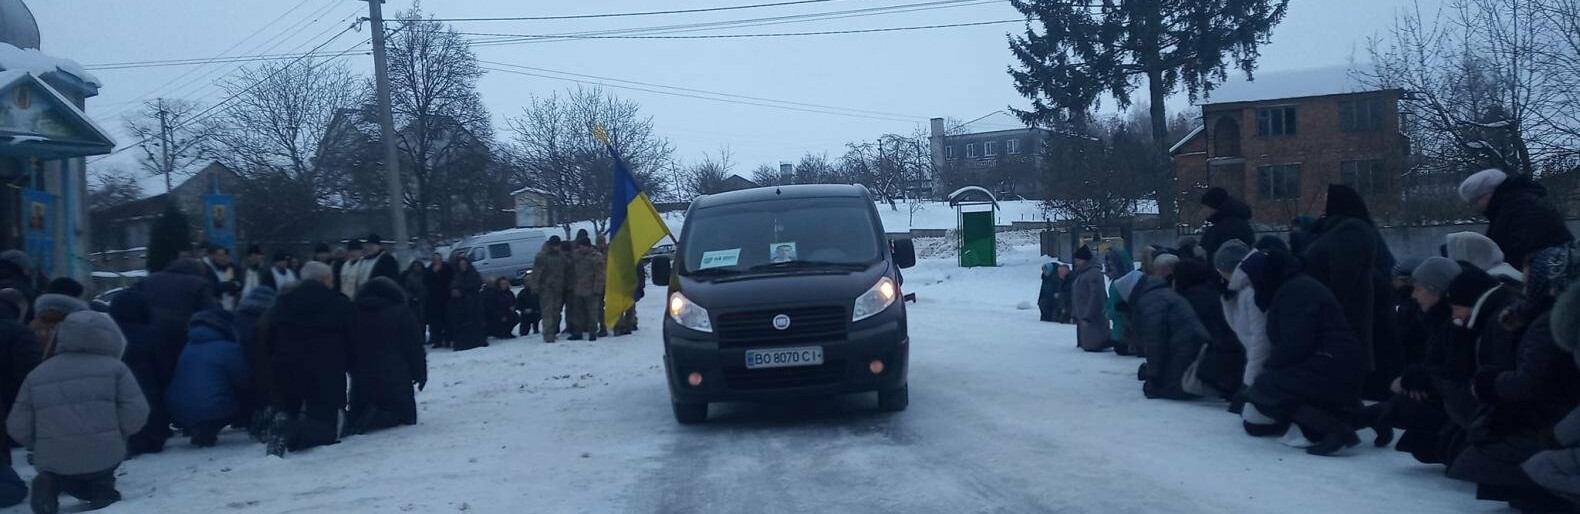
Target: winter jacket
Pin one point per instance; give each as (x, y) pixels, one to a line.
(1541, 388)
(309, 336)
(551, 272)
(1343, 258)
(1559, 470)
(252, 332)
(588, 266)
(467, 327)
(1231, 221)
(77, 409)
(1449, 353)
(1522, 221)
(1116, 263)
(436, 282)
(144, 353)
(1167, 328)
(382, 265)
(183, 288)
(1088, 295)
(1048, 294)
(1495, 346)
(528, 305)
(499, 305)
(49, 311)
(212, 377)
(1221, 363)
(17, 273)
(414, 283)
(1316, 357)
(387, 357)
(19, 354)
(1248, 322)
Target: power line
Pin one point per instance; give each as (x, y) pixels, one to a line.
(627, 14)
(828, 111)
(701, 91)
(767, 35)
(202, 61)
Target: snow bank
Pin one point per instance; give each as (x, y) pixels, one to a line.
(39, 63)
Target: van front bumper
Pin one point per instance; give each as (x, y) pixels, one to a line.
(846, 367)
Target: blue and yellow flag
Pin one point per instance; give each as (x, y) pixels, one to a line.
(634, 227)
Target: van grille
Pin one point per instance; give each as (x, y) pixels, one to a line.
(778, 378)
(808, 325)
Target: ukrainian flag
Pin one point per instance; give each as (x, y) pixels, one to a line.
(634, 227)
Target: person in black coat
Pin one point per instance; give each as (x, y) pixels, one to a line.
(310, 333)
(437, 277)
(1227, 218)
(387, 360)
(1520, 217)
(1164, 324)
(414, 282)
(144, 345)
(378, 262)
(19, 354)
(1347, 255)
(1048, 294)
(467, 328)
(184, 288)
(529, 309)
(1433, 381)
(499, 305)
(1221, 365)
(1313, 377)
(1062, 315)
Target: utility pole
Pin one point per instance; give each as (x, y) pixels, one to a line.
(167, 166)
(387, 126)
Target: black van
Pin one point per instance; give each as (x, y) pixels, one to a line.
(784, 292)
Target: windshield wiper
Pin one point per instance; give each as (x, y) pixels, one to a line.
(807, 265)
(712, 272)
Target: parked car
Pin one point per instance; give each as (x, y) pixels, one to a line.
(664, 250)
(785, 292)
(506, 253)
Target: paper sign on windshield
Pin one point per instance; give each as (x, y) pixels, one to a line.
(720, 258)
(782, 252)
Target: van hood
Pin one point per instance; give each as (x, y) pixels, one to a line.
(780, 289)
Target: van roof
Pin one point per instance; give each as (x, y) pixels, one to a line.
(780, 192)
(511, 233)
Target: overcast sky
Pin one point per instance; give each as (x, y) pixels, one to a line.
(955, 72)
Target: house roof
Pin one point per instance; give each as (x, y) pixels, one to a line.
(1300, 83)
(1192, 135)
(996, 121)
(737, 183)
(65, 131)
(530, 189)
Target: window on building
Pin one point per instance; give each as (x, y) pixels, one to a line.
(1367, 177)
(949, 151)
(990, 148)
(1278, 182)
(499, 250)
(972, 151)
(1361, 116)
(1012, 146)
(1276, 121)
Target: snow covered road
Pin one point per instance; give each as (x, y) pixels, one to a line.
(1006, 416)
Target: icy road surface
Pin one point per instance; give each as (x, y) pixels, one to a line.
(1006, 416)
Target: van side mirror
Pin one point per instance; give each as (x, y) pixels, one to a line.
(904, 253)
(661, 271)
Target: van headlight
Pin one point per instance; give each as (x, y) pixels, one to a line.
(875, 300)
(689, 315)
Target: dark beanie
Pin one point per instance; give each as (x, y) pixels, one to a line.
(1345, 201)
(65, 286)
(1467, 288)
(321, 248)
(1215, 197)
(1083, 253)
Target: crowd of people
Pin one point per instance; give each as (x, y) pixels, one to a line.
(298, 354)
(1472, 353)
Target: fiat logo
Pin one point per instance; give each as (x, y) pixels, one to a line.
(782, 322)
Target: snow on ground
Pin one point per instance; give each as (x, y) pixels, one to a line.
(1006, 416)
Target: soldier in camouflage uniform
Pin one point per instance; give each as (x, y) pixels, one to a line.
(551, 273)
(588, 273)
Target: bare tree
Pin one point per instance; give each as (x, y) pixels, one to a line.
(290, 134)
(174, 141)
(707, 176)
(443, 128)
(554, 150)
(770, 175)
(1095, 174)
(112, 187)
(889, 166)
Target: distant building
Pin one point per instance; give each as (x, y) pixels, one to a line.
(1276, 143)
(534, 207)
(996, 151)
(121, 232)
(737, 183)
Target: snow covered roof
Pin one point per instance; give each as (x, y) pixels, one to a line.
(530, 189)
(10, 77)
(1192, 135)
(19, 59)
(992, 122)
(1323, 81)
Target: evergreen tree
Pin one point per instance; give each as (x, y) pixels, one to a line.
(170, 236)
(1088, 48)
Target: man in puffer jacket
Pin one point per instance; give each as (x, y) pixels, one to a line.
(1558, 469)
(211, 379)
(75, 411)
(144, 344)
(387, 359)
(1167, 329)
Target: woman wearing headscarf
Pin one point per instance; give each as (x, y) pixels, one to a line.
(1484, 253)
(466, 307)
(1349, 256)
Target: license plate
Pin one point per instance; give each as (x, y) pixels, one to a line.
(784, 357)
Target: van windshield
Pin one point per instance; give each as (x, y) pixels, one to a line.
(775, 234)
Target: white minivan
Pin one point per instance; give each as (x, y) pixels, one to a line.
(506, 253)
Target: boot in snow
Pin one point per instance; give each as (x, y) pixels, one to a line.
(1333, 442)
(45, 495)
(1336, 434)
(1377, 418)
(278, 434)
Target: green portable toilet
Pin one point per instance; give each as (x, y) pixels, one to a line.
(975, 210)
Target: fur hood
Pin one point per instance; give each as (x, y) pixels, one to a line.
(90, 333)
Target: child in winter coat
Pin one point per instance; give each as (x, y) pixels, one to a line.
(75, 412)
(212, 381)
(528, 307)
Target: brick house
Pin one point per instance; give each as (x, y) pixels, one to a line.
(1278, 146)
